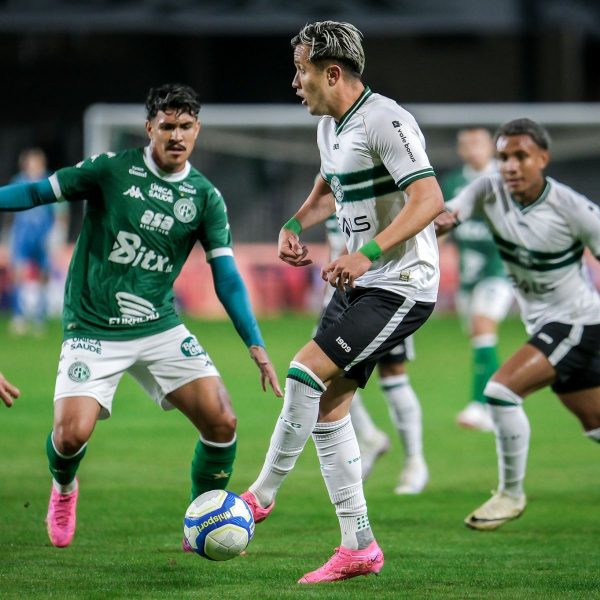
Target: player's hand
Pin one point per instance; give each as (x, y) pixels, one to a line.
(345, 269)
(8, 392)
(267, 372)
(445, 222)
(291, 251)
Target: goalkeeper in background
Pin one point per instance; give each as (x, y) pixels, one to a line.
(146, 208)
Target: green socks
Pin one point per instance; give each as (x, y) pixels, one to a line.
(485, 364)
(63, 468)
(212, 466)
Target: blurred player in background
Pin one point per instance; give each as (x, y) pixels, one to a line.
(30, 248)
(146, 208)
(541, 228)
(373, 159)
(485, 295)
(8, 392)
(403, 404)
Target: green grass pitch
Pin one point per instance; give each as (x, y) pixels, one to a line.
(134, 491)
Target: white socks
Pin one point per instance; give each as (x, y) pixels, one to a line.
(512, 436)
(296, 422)
(593, 434)
(339, 457)
(405, 411)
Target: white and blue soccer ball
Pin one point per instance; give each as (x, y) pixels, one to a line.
(218, 525)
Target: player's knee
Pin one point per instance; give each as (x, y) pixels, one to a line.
(222, 432)
(68, 440)
(498, 394)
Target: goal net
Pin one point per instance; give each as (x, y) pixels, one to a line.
(263, 158)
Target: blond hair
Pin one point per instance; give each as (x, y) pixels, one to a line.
(333, 40)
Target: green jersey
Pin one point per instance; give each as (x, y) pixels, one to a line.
(478, 256)
(139, 228)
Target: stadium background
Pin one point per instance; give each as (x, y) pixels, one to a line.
(59, 57)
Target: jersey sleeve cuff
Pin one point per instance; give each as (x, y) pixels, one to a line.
(218, 252)
(411, 177)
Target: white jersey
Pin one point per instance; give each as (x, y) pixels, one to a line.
(368, 158)
(541, 245)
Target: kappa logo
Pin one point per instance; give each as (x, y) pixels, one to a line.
(134, 192)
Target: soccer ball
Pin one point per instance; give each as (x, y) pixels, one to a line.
(218, 525)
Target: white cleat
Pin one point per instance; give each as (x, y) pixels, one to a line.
(475, 416)
(413, 478)
(499, 509)
(371, 450)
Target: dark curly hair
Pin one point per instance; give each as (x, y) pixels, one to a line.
(525, 127)
(172, 96)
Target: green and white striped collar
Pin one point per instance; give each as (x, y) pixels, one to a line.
(348, 114)
(543, 195)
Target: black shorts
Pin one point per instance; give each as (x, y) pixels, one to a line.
(399, 354)
(574, 351)
(362, 325)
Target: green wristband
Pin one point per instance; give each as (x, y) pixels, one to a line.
(371, 250)
(293, 225)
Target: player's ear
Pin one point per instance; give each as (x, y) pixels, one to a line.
(149, 129)
(544, 158)
(334, 73)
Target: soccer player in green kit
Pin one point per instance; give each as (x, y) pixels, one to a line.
(146, 207)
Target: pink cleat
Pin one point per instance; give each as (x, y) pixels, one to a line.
(61, 517)
(346, 563)
(185, 545)
(258, 512)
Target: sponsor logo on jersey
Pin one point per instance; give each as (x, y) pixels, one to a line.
(337, 188)
(186, 188)
(531, 286)
(398, 127)
(79, 372)
(161, 193)
(336, 146)
(135, 192)
(404, 276)
(190, 347)
(88, 344)
(355, 225)
(134, 310)
(185, 210)
(128, 250)
(155, 221)
(138, 171)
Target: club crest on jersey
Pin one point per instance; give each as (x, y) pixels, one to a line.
(337, 188)
(524, 257)
(185, 210)
(79, 372)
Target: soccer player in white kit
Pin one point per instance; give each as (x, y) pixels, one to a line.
(541, 228)
(403, 403)
(386, 196)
